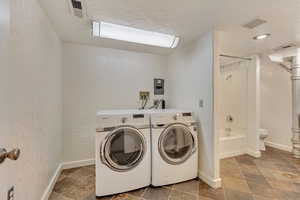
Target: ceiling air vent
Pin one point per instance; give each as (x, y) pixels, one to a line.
(77, 4)
(254, 23)
(77, 8)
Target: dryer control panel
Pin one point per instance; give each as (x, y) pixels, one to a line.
(115, 118)
(172, 117)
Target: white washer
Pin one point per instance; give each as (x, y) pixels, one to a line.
(174, 147)
(123, 156)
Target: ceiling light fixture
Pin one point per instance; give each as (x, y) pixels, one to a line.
(129, 34)
(261, 37)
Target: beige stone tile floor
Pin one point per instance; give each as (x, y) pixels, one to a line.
(274, 176)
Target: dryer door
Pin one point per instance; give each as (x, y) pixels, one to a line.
(123, 149)
(176, 144)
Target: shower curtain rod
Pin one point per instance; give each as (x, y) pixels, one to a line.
(237, 57)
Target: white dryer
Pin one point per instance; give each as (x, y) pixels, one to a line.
(174, 147)
(123, 156)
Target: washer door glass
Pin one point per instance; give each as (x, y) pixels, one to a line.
(124, 149)
(176, 144)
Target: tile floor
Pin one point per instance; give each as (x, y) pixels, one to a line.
(274, 176)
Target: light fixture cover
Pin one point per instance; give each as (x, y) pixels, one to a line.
(261, 37)
(129, 34)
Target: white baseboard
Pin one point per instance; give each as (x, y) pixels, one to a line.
(231, 154)
(78, 163)
(279, 146)
(214, 183)
(52, 183)
(256, 154)
(62, 166)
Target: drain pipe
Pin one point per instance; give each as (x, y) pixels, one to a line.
(295, 77)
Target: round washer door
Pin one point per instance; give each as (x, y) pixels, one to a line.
(176, 144)
(123, 149)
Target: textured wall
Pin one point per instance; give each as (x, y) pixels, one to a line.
(99, 78)
(31, 105)
(276, 103)
(6, 139)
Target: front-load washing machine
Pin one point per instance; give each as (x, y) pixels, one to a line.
(174, 147)
(123, 157)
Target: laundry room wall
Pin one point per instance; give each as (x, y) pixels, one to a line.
(190, 80)
(96, 78)
(276, 104)
(30, 101)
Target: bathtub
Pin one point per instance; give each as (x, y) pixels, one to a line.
(233, 144)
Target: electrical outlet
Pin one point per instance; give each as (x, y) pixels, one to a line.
(11, 193)
(144, 95)
(201, 103)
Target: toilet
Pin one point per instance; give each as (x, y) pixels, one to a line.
(263, 134)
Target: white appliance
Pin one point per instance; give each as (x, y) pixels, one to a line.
(174, 147)
(123, 156)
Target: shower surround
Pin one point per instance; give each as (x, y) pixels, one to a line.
(237, 118)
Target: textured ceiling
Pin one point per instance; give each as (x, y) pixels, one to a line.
(187, 19)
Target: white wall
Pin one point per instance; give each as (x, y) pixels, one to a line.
(97, 78)
(276, 103)
(31, 104)
(190, 79)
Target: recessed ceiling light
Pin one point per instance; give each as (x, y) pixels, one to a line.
(129, 34)
(261, 37)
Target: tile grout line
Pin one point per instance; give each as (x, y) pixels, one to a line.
(172, 189)
(239, 164)
(142, 195)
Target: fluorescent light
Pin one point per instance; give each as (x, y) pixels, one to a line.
(261, 37)
(96, 29)
(129, 34)
(175, 43)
